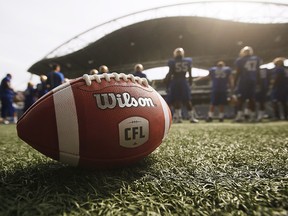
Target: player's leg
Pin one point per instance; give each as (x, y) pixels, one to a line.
(210, 113)
(276, 110)
(251, 107)
(211, 107)
(177, 117)
(191, 112)
(12, 115)
(283, 102)
(221, 104)
(239, 109)
(187, 100)
(173, 98)
(221, 112)
(249, 95)
(261, 100)
(5, 109)
(241, 98)
(285, 109)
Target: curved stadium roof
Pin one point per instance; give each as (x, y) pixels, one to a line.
(207, 30)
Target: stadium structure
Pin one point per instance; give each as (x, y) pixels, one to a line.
(208, 31)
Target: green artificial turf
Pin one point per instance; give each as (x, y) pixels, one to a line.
(203, 169)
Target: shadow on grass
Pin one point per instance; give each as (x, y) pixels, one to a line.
(53, 188)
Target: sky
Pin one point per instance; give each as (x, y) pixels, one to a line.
(31, 29)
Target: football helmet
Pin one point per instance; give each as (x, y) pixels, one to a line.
(245, 51)
(279, 61)
(221, 64)
(179, 52)
(138, 67)
(43, 78)
(93, 71)
(103, 69)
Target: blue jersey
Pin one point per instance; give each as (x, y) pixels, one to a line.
(247, 73)
(280, 75)
(4, 87)
(178, 67)
(30, 97)
(5, 90)
(248, 67)
(41, 89)
(220, 77)
(139, 74)
(6, 97)
(179, 89)
(264, 79)
(54, 79)
(280, 85)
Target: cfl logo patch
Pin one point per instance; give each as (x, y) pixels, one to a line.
(133, 132)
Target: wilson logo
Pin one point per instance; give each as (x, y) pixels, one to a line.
(111, 100)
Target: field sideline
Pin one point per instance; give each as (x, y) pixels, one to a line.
(203, 169)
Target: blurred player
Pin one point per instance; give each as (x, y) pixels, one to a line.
(179, 89)
(261, 92)
(41, 87)
(55, 77)
(138, 71)
(220, 76)
(246, 78)
(7, 94)
(30, 96)
(280, 88)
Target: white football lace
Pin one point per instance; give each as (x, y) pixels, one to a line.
(89, 78)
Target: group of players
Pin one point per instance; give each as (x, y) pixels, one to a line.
(247, 84)
(50, 81)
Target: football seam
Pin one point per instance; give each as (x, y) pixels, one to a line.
(147, 89)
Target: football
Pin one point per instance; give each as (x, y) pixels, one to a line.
(97, 121)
